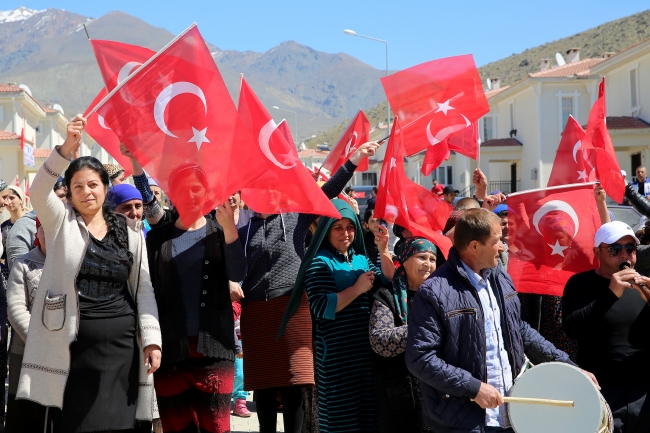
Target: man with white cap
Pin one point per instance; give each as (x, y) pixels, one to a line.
(606, 310)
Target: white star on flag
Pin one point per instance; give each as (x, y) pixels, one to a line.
(557, 248)
(444, 107)
(199, 137)
(288, 158)
(582, 174)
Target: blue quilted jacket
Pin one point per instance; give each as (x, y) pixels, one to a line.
(446, 344)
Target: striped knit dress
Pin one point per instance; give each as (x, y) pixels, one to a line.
(346, 395)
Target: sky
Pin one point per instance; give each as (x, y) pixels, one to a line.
(416, 31)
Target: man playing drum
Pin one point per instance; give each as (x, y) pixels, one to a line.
(607, 311)
(466, 339)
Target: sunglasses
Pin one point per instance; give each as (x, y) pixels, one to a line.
(615, 249)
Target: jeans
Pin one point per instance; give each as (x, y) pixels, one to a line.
(238, 389)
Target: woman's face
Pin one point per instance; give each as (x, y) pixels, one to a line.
(61, 194)
(12, 201)
(87, 192)
(341, 234)
(418, 267)
(132, 209)
(40, 235)
(158, 193)
(192, 197)
(118, 179)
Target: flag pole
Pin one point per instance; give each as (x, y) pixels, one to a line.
(86, 30)
(101, 103)
(551, 188)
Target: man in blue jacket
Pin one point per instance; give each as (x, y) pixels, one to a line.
(466, 339)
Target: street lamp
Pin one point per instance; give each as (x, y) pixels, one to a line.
(353, 33)
(295, 118)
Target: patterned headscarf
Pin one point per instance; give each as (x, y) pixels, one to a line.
(113, 170)
(3, 185)
(409, 247)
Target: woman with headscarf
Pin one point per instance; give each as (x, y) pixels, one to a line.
(191, 261)
(94, 338)
(338, 276)
(274, 245)
(14, 199)
(399, 403)
(125, 199)
(115, 174)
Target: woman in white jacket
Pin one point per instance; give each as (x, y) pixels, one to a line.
(94, 337)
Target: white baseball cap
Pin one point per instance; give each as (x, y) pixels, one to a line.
(613, 231)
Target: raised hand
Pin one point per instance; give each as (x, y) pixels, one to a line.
(73, 136)
(366, 150)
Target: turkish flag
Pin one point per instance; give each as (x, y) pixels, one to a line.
(355, 135)
(117, 60)
(283, 126)
(464, 142)
(104, 135)
(575, 160)
(551, 237)
(177, 119)
(436, 99)
(607, 169)
(285, 185)
(404, 202)
(22, 139)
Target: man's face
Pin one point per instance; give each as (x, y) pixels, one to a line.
(611, 264)
(373, 224)
(504, 229)
(640, 174)
(450, 197)
(488, 253)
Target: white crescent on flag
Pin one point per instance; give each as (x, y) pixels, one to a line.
(264, 139)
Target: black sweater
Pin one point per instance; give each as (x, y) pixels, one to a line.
(612, 332)
(275, 246)
(216, 326)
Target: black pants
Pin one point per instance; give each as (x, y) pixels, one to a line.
(630, 408)
(293, 410)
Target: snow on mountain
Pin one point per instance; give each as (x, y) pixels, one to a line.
(19, 14)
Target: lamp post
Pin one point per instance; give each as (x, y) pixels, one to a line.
(353, 33)
(295, 118)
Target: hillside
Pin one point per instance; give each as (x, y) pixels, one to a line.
(48, 50)
(612, 36)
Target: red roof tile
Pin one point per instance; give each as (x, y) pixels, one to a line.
(42, 153)
(581, 67)
(50, 110)
(492, 93)
(501, 142)
(312, 153)
(626, 122)
(9, 88)
(5, 135)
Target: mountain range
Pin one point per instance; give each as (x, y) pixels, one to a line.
(48, 51)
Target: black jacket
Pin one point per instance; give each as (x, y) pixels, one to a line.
(216, 324)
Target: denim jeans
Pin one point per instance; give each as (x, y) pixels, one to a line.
(238, 388)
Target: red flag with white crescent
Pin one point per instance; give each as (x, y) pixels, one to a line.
(575, 160)
(177, 119)
(104, 135)
(435, 100)
(117, 60)
(284, 184)
(356, 134)
(404, 202)
(283, 126)
(551, 235)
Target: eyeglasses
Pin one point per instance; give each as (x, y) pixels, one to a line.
(615, 249)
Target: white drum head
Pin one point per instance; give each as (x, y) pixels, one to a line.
(557, 381)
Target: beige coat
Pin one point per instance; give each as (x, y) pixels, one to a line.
(55, 314)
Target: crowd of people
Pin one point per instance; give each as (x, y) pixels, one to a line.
(145, 321)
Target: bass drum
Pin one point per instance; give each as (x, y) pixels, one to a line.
(559, 381)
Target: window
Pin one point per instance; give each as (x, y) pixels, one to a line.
(441, 176)
(634, 89)
(450, 177)
(369, 179)
(512, 116)
(567, 110)
(487, 128)
(39, 129)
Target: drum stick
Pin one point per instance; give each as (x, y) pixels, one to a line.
(525, 400)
